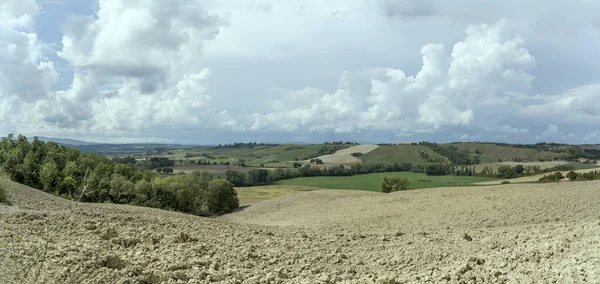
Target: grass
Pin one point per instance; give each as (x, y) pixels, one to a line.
(397, 154)
(372, 182)
(270, 156)
(250, 195)
(582, 166)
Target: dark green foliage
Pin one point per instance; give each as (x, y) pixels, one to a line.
(219, 198)
(4, 188)
(573, 176)
(389, 184)
(436, 170)
(506, 172)
(551, 178)
(259, 177)
(236, 178)
(452, 153)
(62, 170)
(125, 160)
(159, 162)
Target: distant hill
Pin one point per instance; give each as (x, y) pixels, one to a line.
(65, 141)
(112, 148)
(491, 153)
(390, 154)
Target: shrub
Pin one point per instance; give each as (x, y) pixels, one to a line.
(4, 188)
(394, 184)
(505, 182)
(219, 198)
(572, 175)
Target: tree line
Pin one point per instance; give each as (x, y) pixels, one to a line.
(572, 176)
(69, 173)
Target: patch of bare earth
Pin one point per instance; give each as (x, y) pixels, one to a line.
(344, 156)
(514, 233)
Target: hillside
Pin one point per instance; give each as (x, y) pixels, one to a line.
(279, 155)
(514, 233)
(398, 154)
(490, 153)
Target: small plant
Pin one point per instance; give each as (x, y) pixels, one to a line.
(394, 184)
(4, 188)
(505, 182)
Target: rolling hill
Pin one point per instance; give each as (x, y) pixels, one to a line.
(398, 154)
(490, 153)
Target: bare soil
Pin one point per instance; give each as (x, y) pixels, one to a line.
(344, 156)
(497, 234)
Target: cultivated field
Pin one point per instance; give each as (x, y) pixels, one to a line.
(398, 154)
(491, 153)
(218, 169)
(372, 182)
(345, 157)
(255, 194)
(546, 233)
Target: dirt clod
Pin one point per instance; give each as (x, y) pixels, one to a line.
(113, 262)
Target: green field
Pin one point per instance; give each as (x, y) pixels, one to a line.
(491, 153)
(371, 182)
(270, 156)
(398, 154)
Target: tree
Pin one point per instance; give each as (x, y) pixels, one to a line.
(258, 177)
(219, 198)
(50, 175)
(297, 165)
(68, 186)
(4, 188)
(506, 172)
(236, 178)
(519, 169)
(572, 175)
(436, 170)
(394, 184)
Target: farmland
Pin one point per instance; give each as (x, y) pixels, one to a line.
(398, 153)
(491, 153)
(371, 182)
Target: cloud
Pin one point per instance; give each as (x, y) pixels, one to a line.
(18, 13)
(451, 89)
(25, 72)
(196, 69)
(592, 137)
(136, 68)
(550, 133)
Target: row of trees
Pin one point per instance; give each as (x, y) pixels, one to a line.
(66, 172)
(573, 176)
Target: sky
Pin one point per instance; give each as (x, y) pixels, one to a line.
(369, 71)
